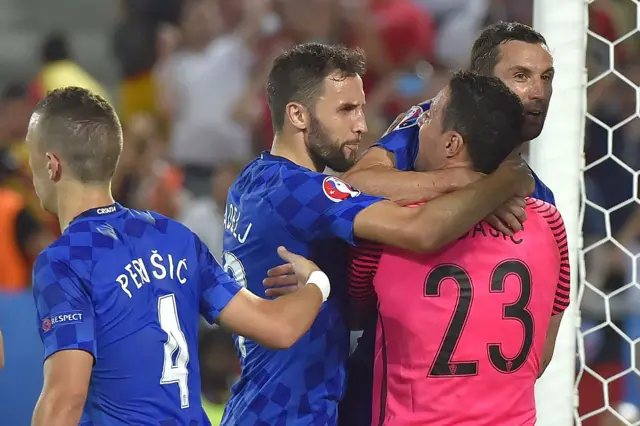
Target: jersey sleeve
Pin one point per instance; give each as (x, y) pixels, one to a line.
(556, 226)
(313, 206)
(363, 265)
(66, 316)
(217, 288)
(402, 141)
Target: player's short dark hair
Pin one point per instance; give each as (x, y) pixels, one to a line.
(488, 116)
(297, 74)
(83, 129)
(485, 52)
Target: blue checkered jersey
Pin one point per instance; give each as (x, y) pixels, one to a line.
(403, 143)
(128, 287)
(276, 202)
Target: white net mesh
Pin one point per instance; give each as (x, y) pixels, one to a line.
(608, 382)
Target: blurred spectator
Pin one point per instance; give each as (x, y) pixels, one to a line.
(205, 215)
(144, 178)
(201, 81)
(136, 51)
(219, 369)
(59, 69)
(22, 236)
(459, 22)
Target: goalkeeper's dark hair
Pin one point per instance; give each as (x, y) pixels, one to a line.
(488, 116)
(297, 75)
(485, 53)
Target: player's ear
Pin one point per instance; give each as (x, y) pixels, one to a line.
(53, 166)
(453, 143)
(298, 115)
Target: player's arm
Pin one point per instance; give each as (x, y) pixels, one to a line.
(563, 286)
(66, 382)
(363, 265)
(376, 173)
(442, 220)
(66, 318)
(276, 324)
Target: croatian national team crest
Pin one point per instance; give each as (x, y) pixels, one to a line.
(410, 118)
(337, 190)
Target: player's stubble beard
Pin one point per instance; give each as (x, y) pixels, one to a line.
(324, 151)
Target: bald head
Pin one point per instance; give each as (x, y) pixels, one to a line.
(82, 129)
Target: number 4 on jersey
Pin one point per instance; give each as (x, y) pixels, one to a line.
(174, 372)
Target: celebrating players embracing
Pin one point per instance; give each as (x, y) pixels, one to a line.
(520, 57)
(316, 99)
(477, 321)
(120, 293)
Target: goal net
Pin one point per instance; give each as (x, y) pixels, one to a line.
(557, 157)
(589, 154)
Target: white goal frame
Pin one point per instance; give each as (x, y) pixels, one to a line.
(557, 156)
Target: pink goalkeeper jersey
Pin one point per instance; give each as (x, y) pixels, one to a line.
(461, 332)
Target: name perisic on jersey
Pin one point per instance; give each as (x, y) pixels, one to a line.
(231, 220)
(139, 271)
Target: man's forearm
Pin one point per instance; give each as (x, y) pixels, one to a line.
(296, 313)
(403, 187)
(449, 217)
(52, 411)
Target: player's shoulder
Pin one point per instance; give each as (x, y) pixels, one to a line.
(542, 207)
(279, 179)
(54, 263)
(545, 212)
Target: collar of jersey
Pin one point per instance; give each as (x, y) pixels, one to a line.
(99, 212)
(267, 156)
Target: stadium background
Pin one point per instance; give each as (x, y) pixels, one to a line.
(187, 77)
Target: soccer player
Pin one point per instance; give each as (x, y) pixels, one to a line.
(519, 56)
(120, 293)
(316, 100)
(474, 325)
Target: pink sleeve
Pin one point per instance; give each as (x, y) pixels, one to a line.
(556, 225)
(363, 265)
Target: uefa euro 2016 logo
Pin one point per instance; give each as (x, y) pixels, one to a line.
(337, 190)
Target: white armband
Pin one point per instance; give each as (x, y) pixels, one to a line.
(320, 280)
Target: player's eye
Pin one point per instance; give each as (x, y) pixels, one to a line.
(349, 108)
(547, 77)
(520, 76)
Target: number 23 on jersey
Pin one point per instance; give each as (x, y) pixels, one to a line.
(443, 365)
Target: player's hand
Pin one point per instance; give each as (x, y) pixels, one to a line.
(516, 171)
(509, 218)
(287, 278)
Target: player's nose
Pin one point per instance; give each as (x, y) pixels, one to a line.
(537, 89)
(360, 126)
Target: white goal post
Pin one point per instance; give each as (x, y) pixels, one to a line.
(557, 157)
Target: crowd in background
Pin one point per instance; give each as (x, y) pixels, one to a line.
(192, 104)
